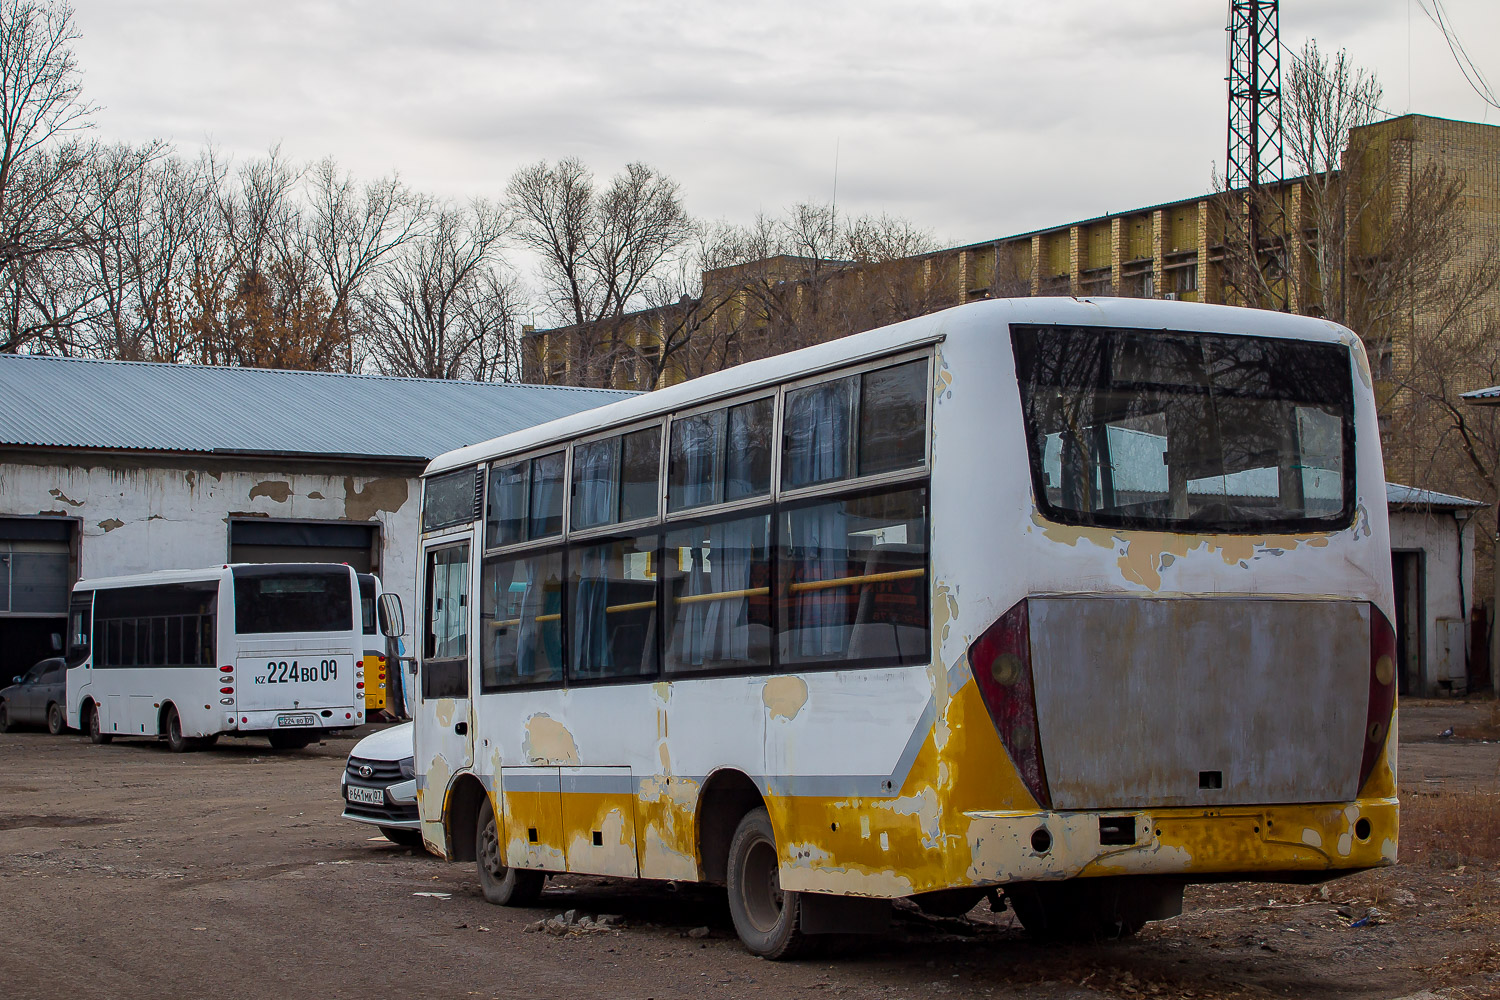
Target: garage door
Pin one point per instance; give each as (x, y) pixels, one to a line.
(34, 566)
(257, 541)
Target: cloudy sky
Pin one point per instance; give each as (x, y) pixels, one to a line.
(974, 119)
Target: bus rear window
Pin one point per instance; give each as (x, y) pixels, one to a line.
(1162, 430)
(305, 600)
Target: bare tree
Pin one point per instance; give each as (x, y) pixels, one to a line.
(600, 250)
(353, 229)
(442, 308)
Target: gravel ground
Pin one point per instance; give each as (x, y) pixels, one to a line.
(126, 870)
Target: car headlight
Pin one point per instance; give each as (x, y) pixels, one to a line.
(408, 767)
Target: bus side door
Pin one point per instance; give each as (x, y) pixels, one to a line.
(444, 736)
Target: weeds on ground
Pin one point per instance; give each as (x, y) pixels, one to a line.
(1450, 827)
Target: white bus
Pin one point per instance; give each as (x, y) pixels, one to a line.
(1070, 600)
(269, 650)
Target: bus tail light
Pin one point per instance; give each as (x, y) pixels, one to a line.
(226, 669)
(1000, 660)
(1382, 691)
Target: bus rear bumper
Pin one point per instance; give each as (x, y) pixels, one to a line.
(290, 720)
(1277, 841)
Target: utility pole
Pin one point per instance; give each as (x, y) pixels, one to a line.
(1254, 156)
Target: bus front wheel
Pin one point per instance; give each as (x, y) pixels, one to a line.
(96, 727)
(501, 884)
(767, 918)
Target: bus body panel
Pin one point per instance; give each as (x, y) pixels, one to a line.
(1239, 700)
(890, 782)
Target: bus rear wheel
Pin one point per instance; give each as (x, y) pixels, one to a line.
(57, 722)
(175, 740)
(96, 726)
(501, 885)
(289, 741)
(767, 918)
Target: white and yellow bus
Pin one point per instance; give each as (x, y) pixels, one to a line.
(1076, 601)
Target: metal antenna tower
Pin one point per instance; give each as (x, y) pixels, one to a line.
(1254, 157)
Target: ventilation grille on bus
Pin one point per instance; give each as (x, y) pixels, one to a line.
(479, 494)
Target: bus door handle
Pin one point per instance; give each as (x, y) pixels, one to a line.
(461, 728)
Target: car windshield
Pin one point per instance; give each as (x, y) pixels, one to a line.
(1185, 431)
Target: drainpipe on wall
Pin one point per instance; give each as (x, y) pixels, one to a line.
(1461, 520)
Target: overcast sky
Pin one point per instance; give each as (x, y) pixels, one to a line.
(974, 119)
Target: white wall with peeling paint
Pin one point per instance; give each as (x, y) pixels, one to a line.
(138, 518)
(1435, 534)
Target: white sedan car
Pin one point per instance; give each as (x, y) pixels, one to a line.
(379, 785)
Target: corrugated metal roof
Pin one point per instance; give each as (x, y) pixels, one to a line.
(1397, 495)
(1490, 395)
(79, 403)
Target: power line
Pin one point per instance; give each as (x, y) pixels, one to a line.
(1297, 58)
(1472, 74)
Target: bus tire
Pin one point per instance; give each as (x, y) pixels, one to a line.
(176, 742)
(288, 741)
(767, 918)
(500, 884)
(95, 726)
(5, 724)
(402, 838)
(57, 722)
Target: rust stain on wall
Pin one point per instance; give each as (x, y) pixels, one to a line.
(387, 495)
(276, 489)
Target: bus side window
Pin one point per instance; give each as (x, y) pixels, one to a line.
(446, 642)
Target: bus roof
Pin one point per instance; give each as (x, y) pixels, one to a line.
(980, 318)
(189, 575)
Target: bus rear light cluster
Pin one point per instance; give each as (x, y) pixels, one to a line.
(1382, 700)
(1000, 660)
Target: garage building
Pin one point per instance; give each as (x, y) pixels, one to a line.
(111, 467)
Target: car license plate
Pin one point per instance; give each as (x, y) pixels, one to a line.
(368, 796)
(300, 719)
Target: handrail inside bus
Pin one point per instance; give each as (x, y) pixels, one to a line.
(727, 595)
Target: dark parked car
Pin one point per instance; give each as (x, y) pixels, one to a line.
(38, 697)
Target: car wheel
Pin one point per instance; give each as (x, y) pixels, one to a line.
(5, 723)
(767, 918)
(402, 838)
(501, 885)
(57, 722)
(96, 726)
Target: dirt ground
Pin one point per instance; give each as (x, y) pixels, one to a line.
(126, 870)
